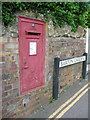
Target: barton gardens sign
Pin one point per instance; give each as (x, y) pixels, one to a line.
(71, 61)
(58, 64)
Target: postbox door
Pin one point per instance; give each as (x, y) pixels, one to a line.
(32, 54)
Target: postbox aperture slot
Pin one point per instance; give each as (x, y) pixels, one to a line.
(32, 33)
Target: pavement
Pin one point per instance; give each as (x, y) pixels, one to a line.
(78, 110)
(88, 66)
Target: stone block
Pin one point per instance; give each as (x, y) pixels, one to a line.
(8, 87)
(3, 32)
(11, 107)
(11, 46)
(1, 46)
(50, 28)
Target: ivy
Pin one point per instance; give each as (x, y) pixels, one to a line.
(62, 13)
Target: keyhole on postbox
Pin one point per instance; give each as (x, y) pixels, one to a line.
(25, 66)
(24, 62)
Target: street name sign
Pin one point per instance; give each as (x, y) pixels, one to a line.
(71, 61)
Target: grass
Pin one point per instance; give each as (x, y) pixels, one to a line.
(51, 100)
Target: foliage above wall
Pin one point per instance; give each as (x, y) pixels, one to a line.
(62, 13)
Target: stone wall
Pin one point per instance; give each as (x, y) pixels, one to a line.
(60, 42)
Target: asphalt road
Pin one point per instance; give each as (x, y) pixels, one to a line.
(79, 110)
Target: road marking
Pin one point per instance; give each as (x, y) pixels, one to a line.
(76, 100)
(68, 101)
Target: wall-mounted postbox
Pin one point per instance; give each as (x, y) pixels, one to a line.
(32, 53)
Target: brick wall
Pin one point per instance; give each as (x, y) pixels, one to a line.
(66, 48)
(16, 105)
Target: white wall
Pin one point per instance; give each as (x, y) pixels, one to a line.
(88, 47)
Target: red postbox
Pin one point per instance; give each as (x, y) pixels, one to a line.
(32, 53)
